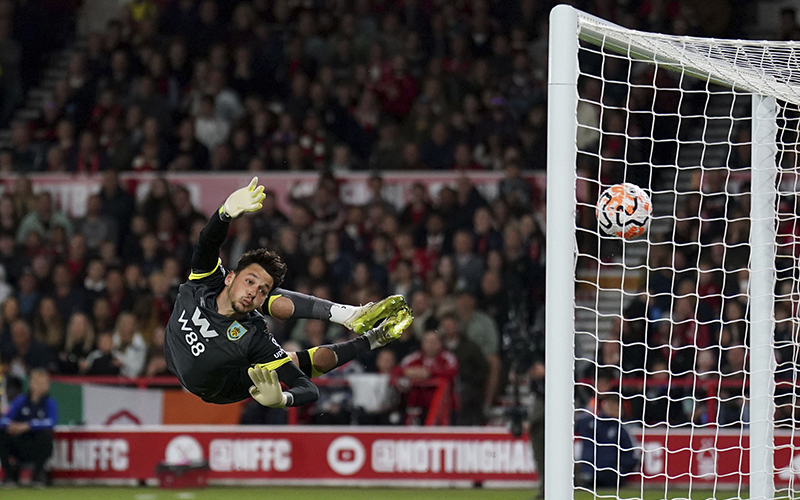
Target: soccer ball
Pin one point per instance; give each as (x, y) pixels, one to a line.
(624, 210)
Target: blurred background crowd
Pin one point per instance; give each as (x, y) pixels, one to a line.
(320, 85)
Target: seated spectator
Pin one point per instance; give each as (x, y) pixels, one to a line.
(658, 396)
(48, 327)
(28, 156)
(432, 362)
(26, 352)
(402, 281)
(607, 454)
(210, 129)
(103, 360)
(88, 157)
(43, 220)
(78, 344)
(96, 226)
(734, 407)
(6, 290)
(156, 364)
(26, 431)
(129, 345)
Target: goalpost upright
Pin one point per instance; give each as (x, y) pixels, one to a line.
(735, 64)
(762, 288)
(562, 101)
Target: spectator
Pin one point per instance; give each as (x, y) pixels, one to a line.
(607, 454)
(129, 345)
(103, 360)
(117, 203)
(431, 363)
(26, 431)
(437, 152)
(43, 220)
(244, 239)
(482, 330)
(28, 294)
(78, 344)
(96, 226)
(88, 157)
(472, 374)
(69, 297)
(156, 364)
(9, 218)
(48, 327)
(210, 129)
(468, 265)
(6, 290)
(28, 156)
(734, 405)
(26, 352)
(10, 60)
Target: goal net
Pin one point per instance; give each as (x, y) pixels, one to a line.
(681, 377)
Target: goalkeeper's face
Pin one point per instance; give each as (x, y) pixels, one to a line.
(249, 288)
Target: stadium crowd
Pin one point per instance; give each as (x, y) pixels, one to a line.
(328, 86)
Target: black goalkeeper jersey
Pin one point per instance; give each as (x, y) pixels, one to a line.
(209, 352)
(206, 347)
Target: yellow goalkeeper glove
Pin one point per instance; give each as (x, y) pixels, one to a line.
(267, 389)
(246, 199)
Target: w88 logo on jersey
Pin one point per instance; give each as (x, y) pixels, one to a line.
(194, 340)
(196, 347)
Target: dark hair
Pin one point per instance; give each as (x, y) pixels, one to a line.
(270, 261)
(610, 398)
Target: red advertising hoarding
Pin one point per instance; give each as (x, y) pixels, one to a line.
(324, 455)
(385, 455)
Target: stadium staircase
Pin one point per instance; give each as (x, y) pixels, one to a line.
(34, 98)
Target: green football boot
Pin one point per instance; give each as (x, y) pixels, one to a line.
(369, 315)
(391, 329)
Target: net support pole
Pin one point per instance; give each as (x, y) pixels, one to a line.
(761, 295)
(562, 103)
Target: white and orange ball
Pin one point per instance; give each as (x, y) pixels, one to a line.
(624, 210)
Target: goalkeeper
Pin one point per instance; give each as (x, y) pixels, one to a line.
(217, 342)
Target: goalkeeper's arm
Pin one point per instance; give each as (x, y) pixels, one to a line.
(205, 255)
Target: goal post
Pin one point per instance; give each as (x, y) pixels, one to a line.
(559, 272)
(762, 287)
(679, 325)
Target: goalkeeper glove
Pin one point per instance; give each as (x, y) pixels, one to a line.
(246, 199)
(267, 388)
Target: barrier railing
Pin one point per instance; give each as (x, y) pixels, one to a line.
(438, 413)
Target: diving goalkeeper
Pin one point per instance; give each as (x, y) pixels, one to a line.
(217, 342)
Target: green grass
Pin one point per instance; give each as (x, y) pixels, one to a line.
(330, 493)
(262, 493)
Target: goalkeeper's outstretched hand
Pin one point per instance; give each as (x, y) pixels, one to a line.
(246, 199)
(267, 389)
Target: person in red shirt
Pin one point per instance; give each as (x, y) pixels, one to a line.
(431, 362)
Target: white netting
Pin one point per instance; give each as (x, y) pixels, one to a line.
(766, 68)
(663, 322)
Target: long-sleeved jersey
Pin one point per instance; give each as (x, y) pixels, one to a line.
(41, 415)
(210, 352)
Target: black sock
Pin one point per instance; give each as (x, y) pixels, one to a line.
(306, 306)
(350, 350)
